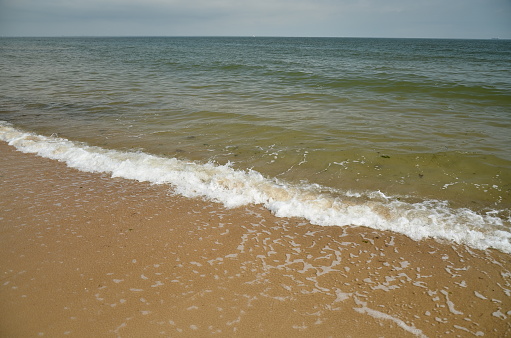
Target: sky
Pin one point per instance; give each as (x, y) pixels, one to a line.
(329, 18)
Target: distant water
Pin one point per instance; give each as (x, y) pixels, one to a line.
(410, 135)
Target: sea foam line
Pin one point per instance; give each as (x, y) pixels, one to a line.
(233, 188)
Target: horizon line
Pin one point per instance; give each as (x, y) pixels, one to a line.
(243, 36)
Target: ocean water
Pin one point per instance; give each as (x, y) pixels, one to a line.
(408, 135)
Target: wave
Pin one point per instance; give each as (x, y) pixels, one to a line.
(233, 188)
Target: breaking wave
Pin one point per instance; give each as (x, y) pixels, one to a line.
(318, 204)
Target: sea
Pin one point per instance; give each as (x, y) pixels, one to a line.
(406, 135)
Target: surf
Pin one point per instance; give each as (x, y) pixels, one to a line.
(233, 188)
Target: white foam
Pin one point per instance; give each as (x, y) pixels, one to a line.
(234, 188)
(363, 309)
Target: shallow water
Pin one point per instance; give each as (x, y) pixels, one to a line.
(408, 124)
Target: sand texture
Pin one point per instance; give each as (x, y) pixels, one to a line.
(86, 255)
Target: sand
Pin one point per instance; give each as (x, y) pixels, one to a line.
(86, 255)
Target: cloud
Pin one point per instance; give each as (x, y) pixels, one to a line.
(434, 18)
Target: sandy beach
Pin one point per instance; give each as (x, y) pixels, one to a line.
(87, 255)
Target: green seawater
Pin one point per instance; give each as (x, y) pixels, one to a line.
(416, 119)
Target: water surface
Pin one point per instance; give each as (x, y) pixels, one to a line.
(406, 130)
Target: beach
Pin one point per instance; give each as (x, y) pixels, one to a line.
(85, 254)
(273, 186)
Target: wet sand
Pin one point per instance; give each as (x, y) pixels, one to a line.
(87, 255)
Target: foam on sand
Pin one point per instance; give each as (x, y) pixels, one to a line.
(80, 248)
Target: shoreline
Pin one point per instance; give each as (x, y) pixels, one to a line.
(414, 216)
(86, 255)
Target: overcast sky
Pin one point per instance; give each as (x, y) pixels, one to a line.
(342, 18)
